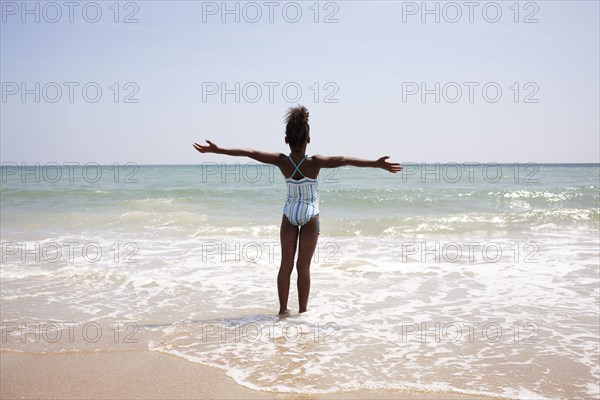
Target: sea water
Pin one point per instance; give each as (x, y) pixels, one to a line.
(474, 278)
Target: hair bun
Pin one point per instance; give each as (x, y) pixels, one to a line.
(298, 115)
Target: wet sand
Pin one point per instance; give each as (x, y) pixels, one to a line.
(143, 374)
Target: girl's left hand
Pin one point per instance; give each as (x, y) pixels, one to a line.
(211, 148)
(392, 167)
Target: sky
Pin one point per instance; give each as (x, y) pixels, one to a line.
(140, 81)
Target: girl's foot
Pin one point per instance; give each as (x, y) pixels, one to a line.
(284, 313)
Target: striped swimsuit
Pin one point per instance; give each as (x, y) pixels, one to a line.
(302, 202)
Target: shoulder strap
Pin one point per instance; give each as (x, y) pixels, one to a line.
(297, 167)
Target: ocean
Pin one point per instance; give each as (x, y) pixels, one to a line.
(466, 277)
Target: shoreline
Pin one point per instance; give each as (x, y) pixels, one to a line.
(146, 374)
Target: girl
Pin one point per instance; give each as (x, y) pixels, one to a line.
(300, 220)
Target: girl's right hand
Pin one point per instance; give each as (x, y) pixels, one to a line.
(392, 167)
(211, 148)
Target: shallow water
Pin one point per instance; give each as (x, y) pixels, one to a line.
(476, 279)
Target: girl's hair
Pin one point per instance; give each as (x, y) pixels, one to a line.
(296, 126)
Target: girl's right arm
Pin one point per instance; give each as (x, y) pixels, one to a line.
(260, 156)
(340, 161)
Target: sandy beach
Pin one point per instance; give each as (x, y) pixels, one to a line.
(142, 374)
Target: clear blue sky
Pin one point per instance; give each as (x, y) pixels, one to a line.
(370, 57)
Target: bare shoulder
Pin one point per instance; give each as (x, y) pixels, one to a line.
(322, 161)
(319, 159)
(279, 158)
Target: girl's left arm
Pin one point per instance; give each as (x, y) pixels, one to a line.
(260, 156)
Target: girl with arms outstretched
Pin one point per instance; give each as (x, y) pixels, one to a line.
(300, 220)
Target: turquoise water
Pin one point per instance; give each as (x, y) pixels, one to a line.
(218, 197)
(177, 249)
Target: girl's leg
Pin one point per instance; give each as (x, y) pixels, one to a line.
(288, 236)
(309, 234)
